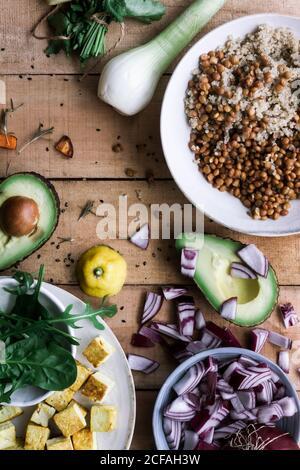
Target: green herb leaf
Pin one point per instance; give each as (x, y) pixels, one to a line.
(142, 10)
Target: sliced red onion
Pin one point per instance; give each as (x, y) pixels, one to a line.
(229, 308)
(245, 415)
(142, 364)
(151, 334)
(141, 341)
(208, 436)
(280, 393)
(141, 238)
(220, 335)
(223, 386)
(264, 393)
(243, 379)
(180, 353)
(255, 259)
(211, 377)
(199, 320)
(167, 330)
(195, 347)
(152, 306)
(269, 413)
(210, 417)
(284, 361)
(227, 395)
(230, 370)
(188, 261)
(227, 431)
(280, 340)
(236, 404)
(192, 399)
(247, 361)
(229, 340)
(289, 316)
(288, 405)
(186, 315)
(172, 430)
(275, 377)
(191, 440)
(211, 364)
(171, 293)
(190, 379)
(241, 271)
(209, 340)
(258, 338)
(180, 410)
(248, 398)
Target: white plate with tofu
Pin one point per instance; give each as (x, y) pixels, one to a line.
(101, 400)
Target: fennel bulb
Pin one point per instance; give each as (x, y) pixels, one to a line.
(129, 80)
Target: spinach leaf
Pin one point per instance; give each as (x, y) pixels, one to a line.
(142, 10)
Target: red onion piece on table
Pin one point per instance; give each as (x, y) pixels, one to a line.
(172, 430)
(220, 335)
(255, 259)
(289, 316)
(141, 237)
(151, 334)
(141, 341)
(229, 308)
(152, 306)
(258, 338)
(168, 330)
(284, 361)
(280, 340)
(142, 364)
(241, 271)
(171, 293)
(186, 315)
(188, 261)
(199, 320)
(190, 379)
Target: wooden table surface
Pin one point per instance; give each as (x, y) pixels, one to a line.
(52, 94)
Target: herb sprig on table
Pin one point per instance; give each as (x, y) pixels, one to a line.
(83, 24)
(35, 341)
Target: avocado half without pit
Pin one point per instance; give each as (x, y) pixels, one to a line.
(256, 298)
(29, 212)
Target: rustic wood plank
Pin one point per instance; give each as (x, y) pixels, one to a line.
(21, 53)
(126, 322)
(143, 437)
(160, 263)
(62, 101)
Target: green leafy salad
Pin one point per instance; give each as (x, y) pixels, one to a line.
(36, 342)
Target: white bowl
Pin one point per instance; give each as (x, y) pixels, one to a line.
(30, 395)
(175, 131)
(291, 425)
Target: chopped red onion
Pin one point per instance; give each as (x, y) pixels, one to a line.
(223, 386)
(264, 393)
(179, 353)
(255, 259)
(269, 413)
(141, 341)
(248, 398)
(247, 361)
(241, 271)
(188, 261)
(280, 340)
(171, 293)
(230, 370)
(152, 306)
(168, 330)
(192, 399)
(289, 316)
(245, 415)
(208, 339)
(220, 335)
(195, 347)
(280, 393)
(142, 364)
(172, 430)
(229, 308)
(258, 338)
(151, 334)
(204, 446)
(211, 377)
(208, 436)
(190, 379)
(186, 315)
(180, 410)
(288, 405)
(229, 340)
(199, 320)
(191, 440)
(236, 404)
(142, 237)
(284, 361)
(227, 431)
(243, 379)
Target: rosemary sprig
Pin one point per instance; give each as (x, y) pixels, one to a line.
(87, 209)
(36, 136)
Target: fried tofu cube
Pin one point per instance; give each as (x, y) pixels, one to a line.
(36, 437)
(42, 414)
(9, 412)
(97, 387)
(98, 351)
(84, 440)
(70, 420)
(83, 409)
(103, 418)
(59, 443)
(83, 374)
(18, 446)
(60, 400)
(7, 435)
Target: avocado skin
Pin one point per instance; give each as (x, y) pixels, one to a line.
(180, 244)
(57, 205)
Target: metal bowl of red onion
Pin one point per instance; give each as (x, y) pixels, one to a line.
(227, 398)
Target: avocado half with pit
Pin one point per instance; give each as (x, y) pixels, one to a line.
(29, 213)
(256, 297)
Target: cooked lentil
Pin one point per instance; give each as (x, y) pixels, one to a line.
(243, 105)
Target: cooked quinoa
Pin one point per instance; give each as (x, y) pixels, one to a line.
(243, 105)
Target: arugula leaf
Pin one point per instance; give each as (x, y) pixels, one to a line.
(142, 10)
(89, 314)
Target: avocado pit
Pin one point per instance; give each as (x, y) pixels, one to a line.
(19, 216)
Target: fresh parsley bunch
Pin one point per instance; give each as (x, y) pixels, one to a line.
(35, 340)
(85, 23)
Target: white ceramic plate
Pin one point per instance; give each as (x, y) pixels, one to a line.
(122, 395)
(221, 207)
